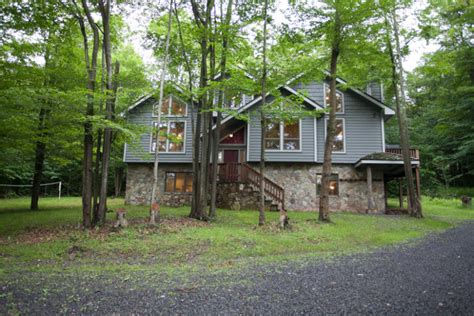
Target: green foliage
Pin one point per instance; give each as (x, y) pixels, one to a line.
(42, 66)
(442, 90)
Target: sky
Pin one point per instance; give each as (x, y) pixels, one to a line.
(138, 20)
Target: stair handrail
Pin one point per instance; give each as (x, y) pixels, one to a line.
(273, 189)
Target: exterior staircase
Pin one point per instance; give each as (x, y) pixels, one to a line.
(245, 174)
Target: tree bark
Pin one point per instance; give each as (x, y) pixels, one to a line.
(263, 123)
(104, 8)
(220, 104)
(91, 66)
(203, 120)
(98, 153)
(414, 205)
(155, 194)
(118, 181)
(40, 150)
(327, 163)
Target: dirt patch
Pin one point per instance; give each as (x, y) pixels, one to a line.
(35, 235)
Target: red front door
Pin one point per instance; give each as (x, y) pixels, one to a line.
(231, 156)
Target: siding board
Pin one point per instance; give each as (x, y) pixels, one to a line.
(139, 152)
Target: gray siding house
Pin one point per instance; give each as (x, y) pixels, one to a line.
(294, 152)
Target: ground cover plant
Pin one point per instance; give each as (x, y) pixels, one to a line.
(51, 239)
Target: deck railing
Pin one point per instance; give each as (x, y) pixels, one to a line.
(242, 172)
(414, 153)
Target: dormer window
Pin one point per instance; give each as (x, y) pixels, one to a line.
(339, 99)
(173, 107)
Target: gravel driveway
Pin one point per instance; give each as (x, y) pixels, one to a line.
(434, 276)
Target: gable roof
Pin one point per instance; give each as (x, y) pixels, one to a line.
(244, 108)
(150, 95)
(368, 97)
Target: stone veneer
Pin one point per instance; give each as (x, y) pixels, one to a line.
(140, 182)
(299, 182)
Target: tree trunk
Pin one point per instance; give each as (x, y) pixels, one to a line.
(104, 8)
(91, 66)
(204, 119)
(39, 159)
(155, 197)
(118, 181)
(263, 123)
(98, 153)
(196, 123)
(414, 205)
(327, 163)
(40, 150)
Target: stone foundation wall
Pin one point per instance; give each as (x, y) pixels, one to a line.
(140, 182)
(237, 196)
(299, 182)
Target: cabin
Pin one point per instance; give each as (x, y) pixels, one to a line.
(362, 163)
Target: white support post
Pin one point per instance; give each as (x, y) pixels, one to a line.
(60, 184)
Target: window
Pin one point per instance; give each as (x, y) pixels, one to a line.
(333, 184)
(283, 136)
(339, 99)
(179, 182)
(171, 137)
(338, 145)
(171, 106)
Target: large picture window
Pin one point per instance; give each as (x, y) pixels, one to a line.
(171, 137)
(284, 136)
(171, 106)
(179, 182)
(339, 99)
(338, 145)
(333, 184)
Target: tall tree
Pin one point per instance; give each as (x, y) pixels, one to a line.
(104, 9)
(337, 26)
(225, 30)
(155, 198)
(331, 132)
(263, 119)
(91, 67)
(202, 18)
(398, 84)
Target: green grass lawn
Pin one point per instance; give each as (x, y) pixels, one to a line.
(51, 238)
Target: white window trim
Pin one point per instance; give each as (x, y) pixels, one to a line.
(282, 140)
(167, 140)
(343, 129)
(338, 184)
(337, 91)
(170, 98)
